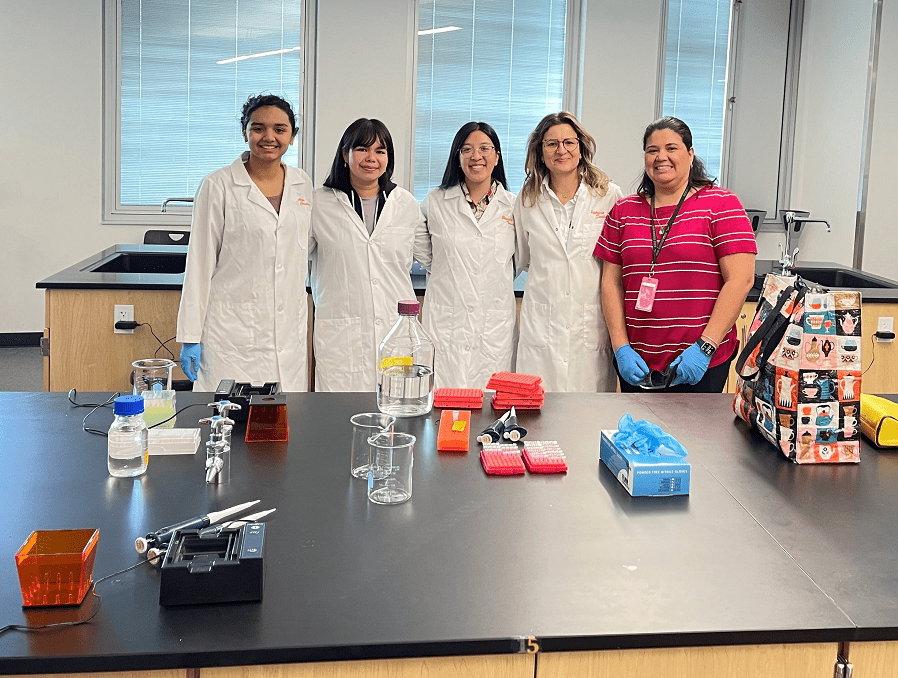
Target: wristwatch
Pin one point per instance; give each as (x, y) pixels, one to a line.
(707, 348)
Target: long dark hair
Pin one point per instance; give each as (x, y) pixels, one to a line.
(454, 175)
(363, 132)
(698, 177)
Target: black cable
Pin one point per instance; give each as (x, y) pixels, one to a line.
(93, 592)
(872, 352)
(73, 393)
(162, 344)
(186, 407)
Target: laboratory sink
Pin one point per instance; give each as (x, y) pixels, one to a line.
(142, 262)
(834, 277)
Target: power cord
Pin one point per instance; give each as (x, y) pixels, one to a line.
(93, 592)
(131, 325)
(73, 393)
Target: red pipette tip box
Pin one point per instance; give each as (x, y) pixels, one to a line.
(544, 456)
(513, 382)
(458, 398)
(502, 459)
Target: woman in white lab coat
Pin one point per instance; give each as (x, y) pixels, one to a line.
(244, 313)
(469, 307)
(558, 217)
(365, 234)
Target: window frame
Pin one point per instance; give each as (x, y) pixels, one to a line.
(179, 214)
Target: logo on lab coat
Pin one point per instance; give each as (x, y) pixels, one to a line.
(304, 203)
(509, 220)
(598, 214)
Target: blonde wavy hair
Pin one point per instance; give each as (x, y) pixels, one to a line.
(594, 178)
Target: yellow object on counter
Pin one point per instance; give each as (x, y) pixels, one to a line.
(879, 420)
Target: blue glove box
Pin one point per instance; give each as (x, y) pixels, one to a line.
(644, 475)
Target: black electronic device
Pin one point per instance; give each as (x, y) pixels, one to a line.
(240, 393)
(224, 568)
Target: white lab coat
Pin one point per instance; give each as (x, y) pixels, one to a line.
(357, 282)
(469, 308)
(563, 336)
(244, 297)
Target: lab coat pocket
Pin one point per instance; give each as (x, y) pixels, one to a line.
(586, 240)
(231, 328)
(338, 347)
(595, 336)
(535, 319)
(395, 244)
(504, 243)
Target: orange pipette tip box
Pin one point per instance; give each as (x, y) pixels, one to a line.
(267, 420)
(55, 566)
(455, 430)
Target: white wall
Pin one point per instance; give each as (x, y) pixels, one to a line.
(880, 234)
(620, 72)
(830, 124)
(51, 143)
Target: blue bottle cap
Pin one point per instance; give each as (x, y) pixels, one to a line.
(128, 405)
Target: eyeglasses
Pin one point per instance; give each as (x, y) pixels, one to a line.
(569, 144)
(483, 150)
(657, 380)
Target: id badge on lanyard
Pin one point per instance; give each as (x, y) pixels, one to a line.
(649, 285)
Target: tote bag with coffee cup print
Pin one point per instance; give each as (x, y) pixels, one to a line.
(799, 372)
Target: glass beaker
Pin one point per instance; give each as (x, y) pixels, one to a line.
(152, 374)
(364, 426)
(390, 469)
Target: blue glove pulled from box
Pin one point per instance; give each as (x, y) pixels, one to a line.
(646, 438)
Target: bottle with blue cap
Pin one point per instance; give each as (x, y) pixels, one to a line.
(128, 450)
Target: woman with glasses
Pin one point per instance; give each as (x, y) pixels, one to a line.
(366, 231)
(558, 217)
(469, 308)
(679, 260)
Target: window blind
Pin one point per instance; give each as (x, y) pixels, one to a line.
(179, 106)
(501, 63)
(695, 72)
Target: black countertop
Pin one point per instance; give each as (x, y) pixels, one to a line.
(82, 275)
(762, 551)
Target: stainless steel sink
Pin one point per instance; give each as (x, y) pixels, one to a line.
(142, 262)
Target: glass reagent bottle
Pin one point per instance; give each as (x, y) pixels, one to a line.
(128, 447)
(405, 363)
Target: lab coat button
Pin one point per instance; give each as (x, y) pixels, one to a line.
(377, 322)
(280, 309)
(280, 349)
(375, 282)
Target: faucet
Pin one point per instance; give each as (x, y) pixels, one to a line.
(218, 447)
(793, 220)
(168, 200)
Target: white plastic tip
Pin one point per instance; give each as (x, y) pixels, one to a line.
(141, 544)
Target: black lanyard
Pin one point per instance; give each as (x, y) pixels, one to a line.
(658, 244)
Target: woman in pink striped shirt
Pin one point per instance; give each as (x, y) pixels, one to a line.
(678, 264)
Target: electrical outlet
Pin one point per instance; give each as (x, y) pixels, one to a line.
(886, 324)
(123, 312)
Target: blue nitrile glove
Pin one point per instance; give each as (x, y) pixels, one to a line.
(646, 438)
(630, 365)
(190, 359)
(691, 366)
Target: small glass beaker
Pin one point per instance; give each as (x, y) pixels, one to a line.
(363, 427)
(390, 468)
(152, 374)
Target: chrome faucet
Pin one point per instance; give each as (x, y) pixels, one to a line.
(168, 200)
(793, 220)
